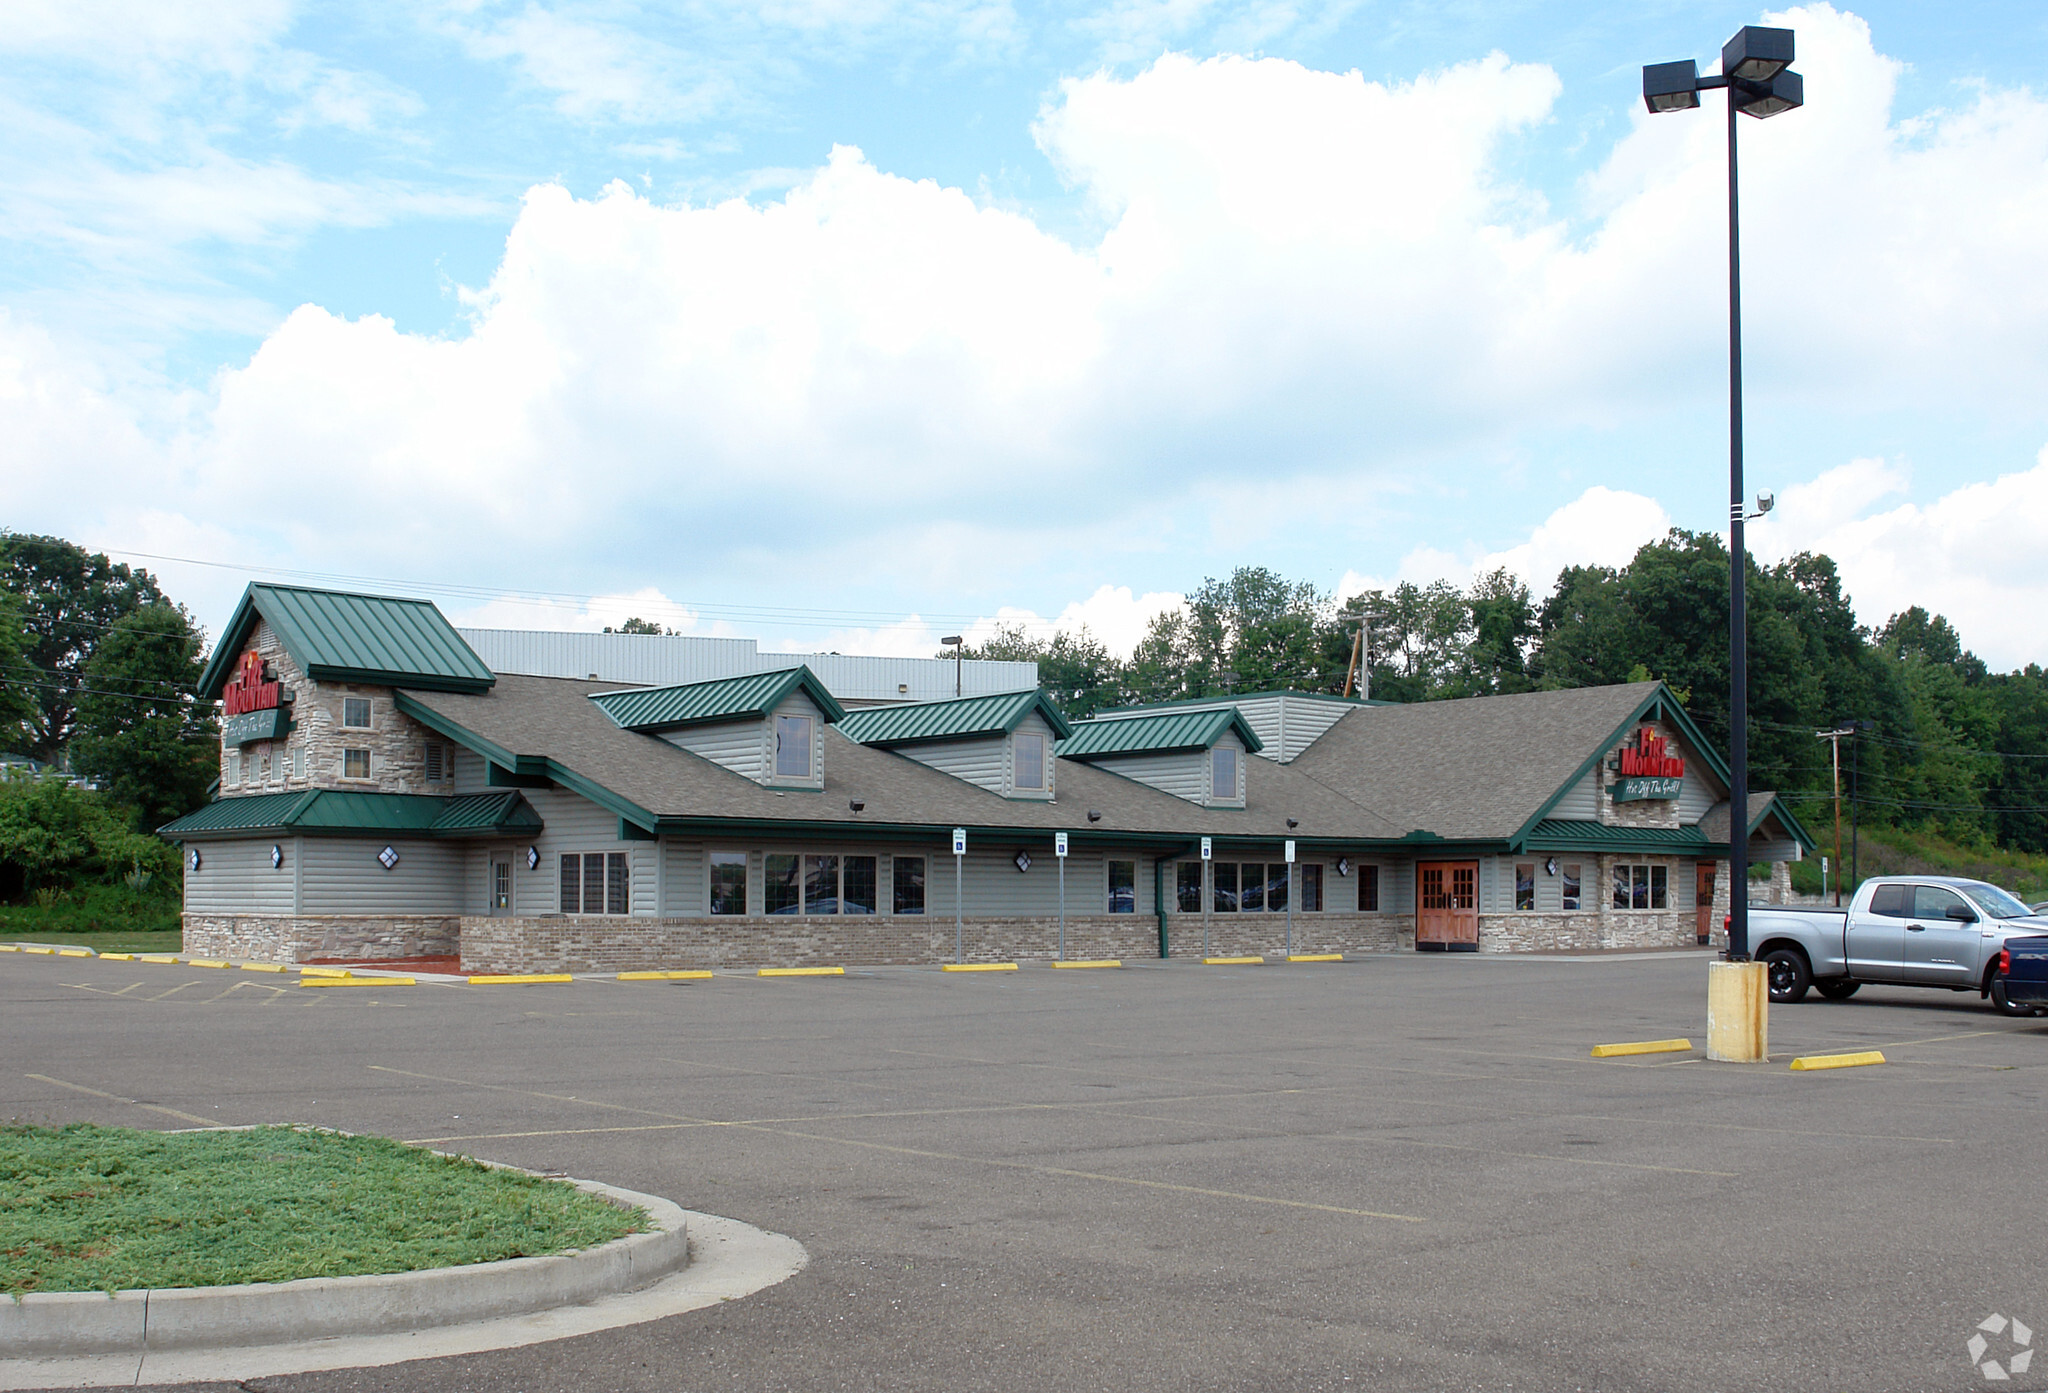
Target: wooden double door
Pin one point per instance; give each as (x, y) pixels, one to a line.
(1447, 906)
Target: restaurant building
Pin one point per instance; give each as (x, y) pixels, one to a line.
(385, 794)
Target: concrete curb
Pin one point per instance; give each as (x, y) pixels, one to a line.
(132, 1322)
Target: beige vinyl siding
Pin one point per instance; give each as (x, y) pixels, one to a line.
(685, 892)
(992, 885)
(1182, 773)
(575, 824)
(741, 746)
(1581, 802)
(1286, 724)
(1696, 797)
(342, 875)
(237, 878)
(472, 772)
(981, 762)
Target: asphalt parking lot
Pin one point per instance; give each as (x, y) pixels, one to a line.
(1400, 1173)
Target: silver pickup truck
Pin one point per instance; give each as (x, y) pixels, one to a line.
(1905, 930)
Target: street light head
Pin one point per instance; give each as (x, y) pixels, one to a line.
(1671, 86)
(1757, 55)
(954, 639)
(1761, 99)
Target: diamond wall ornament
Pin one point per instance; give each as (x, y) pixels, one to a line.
(192, 858)
(276, 856)
(1343, 865)
(1023, 860)
(389, 856)
(533, 858)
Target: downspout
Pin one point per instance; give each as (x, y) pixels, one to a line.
(1159, 901)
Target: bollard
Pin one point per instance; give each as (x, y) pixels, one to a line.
(1737, 999)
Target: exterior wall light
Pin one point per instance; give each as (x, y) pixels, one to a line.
(855, 804)
(1094, 816)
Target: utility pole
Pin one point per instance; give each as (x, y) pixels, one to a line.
(1834, 739)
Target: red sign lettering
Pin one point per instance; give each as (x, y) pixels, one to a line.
(1649, 760)
(250, 689)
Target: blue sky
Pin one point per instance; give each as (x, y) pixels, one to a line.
(845, 323)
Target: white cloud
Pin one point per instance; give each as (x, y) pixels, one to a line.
(1303, 276)
(1971, 554)
(1601, 527)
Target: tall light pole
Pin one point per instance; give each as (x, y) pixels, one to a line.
(1756, 73)
(958, 643)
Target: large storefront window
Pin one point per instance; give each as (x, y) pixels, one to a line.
(1187, 887)
(909, 898)
(1641, 887)
(728, 882)
(818, 884)
(1123, 887)
(1254, 887)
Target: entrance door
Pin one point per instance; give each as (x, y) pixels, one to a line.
(1447, 906)
(1703, 899)
(501, 888)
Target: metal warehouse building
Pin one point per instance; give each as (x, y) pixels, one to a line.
(386, 794)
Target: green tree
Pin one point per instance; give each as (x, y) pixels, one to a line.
(141, 732)
(18, 709)
(1075, 670)
(637, 625)
(52, 834)
(69, 597)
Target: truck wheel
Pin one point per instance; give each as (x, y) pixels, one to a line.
(1786, 971)
(1837, 991)
(2008, 1007)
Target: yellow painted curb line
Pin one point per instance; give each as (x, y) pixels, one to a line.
(76, 953)
(1232, 962)
(357, 982)
(118, 957)
(256, 967)
(1090, 962)
(664, 976)
(801, 972)
(208, 962)
(44, 951)
(158, 958)
(1315, 957)
(978, 967)
(499, 978)
(1838, 1061)
(1641, 1047)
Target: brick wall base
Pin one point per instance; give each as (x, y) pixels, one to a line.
(285, 938)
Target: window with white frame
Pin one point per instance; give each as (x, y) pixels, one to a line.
(1525, 885)
(1030, 763)
(355, 764)
(1123, 887)
(596, 882)
(792, 747)
(818, 883)
(234, 768)
(355, 713)
(728, 882)
(1223, 772)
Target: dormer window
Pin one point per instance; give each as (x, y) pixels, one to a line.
(793, 747)
(1223, 772)
(1030, 762)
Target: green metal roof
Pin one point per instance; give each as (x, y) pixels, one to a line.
(653, 709)
(1174, 730)
(1567, 834)
(335, 636)
(962, 718)
(339, 812)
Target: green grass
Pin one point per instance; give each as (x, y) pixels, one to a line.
(170, 941)
(93, 908)
(85, 1208)
(1888, 851)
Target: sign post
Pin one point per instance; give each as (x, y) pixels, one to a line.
(1290, 899)
(1059, 852)
(959, 856)
(1208, 894)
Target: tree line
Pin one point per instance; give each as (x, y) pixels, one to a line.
(1942, 743)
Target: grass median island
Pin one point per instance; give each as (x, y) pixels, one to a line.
(85, 1208)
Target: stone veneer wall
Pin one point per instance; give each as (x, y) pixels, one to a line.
(578, 944)
(1587, 930)
(397, 744)
(286, 938)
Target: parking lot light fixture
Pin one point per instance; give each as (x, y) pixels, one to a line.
(1756, 73)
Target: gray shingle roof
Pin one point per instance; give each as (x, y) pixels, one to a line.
(1475, 769)
(553, 718)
